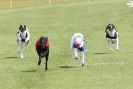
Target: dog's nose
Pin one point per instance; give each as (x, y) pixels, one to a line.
(78, 45)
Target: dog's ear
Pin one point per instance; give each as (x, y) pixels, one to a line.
(107, 27)
(24, 26)
(20, 27)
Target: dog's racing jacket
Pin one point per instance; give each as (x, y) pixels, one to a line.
(82, 47)
(38, 43)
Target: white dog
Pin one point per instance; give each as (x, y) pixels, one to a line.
(130, 3)
(23, 37)
(78, 46)
(112, 37)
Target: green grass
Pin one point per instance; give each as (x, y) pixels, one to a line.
(59, 21)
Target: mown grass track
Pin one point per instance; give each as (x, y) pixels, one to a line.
(59, 21)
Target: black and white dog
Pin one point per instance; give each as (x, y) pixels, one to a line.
(112, 37)
(42, 49)
(23, 37)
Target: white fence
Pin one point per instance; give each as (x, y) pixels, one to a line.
(24, 3)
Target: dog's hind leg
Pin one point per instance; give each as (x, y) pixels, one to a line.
(26, 44)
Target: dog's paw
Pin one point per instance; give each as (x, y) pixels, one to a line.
(39, 62)
(117, 50)
(83, 65)
(110, 49)
(76, 57)
(22, 56)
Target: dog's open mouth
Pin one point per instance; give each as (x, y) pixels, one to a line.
(23, 40)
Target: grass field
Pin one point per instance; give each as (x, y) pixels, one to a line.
(59, 21)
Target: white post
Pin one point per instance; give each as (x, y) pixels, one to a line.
(49, 2)
(11, 3)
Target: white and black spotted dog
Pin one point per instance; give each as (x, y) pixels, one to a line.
(23, 37)
(112, 37)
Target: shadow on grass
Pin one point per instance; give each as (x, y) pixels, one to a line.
(11, 57)
(100, 53)
(67, 67)
(28, 71)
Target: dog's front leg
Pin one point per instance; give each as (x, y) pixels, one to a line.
(39, 60)
(75, 53)
(46, 64)
(117, 44)
(21, 49)
(109, 44)
(83, 58)
(18, 46)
